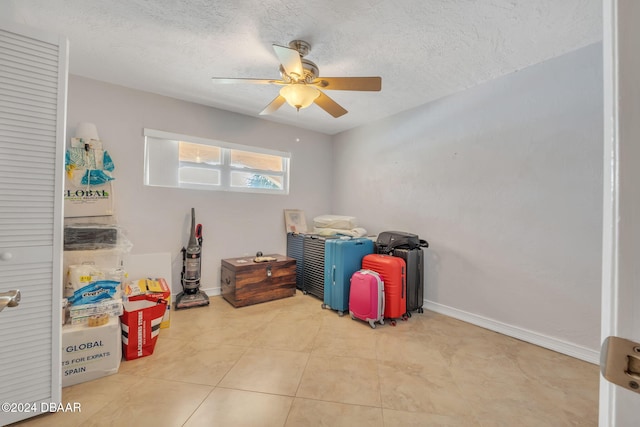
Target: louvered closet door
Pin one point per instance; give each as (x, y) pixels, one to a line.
(33, 78)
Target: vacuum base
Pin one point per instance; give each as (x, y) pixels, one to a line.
(197, 299)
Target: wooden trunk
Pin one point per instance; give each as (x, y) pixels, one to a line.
(245, 282)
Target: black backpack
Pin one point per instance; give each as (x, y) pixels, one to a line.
(389, 240)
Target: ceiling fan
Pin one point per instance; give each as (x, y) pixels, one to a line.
(301, 84)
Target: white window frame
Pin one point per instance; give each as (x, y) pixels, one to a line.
(224, 168)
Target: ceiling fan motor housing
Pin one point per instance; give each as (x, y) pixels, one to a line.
(311, 72)
(301, 46)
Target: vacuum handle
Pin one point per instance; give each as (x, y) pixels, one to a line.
(199, 234)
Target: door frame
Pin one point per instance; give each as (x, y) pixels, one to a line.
(621, 202)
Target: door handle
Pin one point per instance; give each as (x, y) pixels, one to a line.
(620, 362)
(9, 299)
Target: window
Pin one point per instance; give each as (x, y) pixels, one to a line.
(182, 161)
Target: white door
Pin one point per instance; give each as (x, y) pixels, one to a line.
(33, 80)
(621, 215)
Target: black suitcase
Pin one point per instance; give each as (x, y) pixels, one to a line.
(414, 259)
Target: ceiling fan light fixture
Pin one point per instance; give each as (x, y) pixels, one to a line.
(299, 95)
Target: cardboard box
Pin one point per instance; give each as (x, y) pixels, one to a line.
(94, 200)
(112, 307)
(152, 265)
(81, 314)
(158, 288)
(90, 353)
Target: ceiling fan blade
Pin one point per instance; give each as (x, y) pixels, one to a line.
(225, 80)
(290, 60)
(329, 105)
(349, 83)
(274, 105)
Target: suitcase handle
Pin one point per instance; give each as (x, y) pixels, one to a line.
(333, 275)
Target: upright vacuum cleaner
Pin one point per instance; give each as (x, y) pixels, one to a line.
(191, 295)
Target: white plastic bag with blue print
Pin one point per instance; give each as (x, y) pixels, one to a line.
(87, 284)
(87, 163)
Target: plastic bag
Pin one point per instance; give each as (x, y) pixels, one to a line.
(95, 177)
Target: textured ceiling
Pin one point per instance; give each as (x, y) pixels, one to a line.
(422, 49)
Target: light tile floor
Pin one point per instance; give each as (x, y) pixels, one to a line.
(290, 363)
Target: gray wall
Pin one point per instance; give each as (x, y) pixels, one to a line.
(505, 182)
(157, 219)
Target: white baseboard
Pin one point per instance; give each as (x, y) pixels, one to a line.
(212, 292)
(564, 347)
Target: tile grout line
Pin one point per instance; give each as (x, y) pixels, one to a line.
(198, 407)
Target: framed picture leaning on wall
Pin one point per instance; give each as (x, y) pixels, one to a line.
(295, 221)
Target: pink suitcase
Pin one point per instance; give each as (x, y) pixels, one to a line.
(366, 297)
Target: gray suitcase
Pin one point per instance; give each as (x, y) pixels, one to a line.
(313, 253)
(295, 250)
(414, 259)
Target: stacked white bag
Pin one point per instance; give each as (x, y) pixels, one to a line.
(331, 225)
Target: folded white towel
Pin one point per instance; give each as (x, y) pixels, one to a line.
(341, 222)
(354, 232)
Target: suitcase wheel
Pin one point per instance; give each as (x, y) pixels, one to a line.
(420, 310)
(323, 306)
(372, 323)
(352, 316)
(405, 317)
(340, 313)
(408, 314)
(393, 322)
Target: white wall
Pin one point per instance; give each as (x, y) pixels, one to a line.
(158, 219)
(505, 182)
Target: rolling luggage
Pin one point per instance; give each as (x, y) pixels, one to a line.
(294, 250)
(414, 260)
(366, 297)
(313, 253)
(392, 271)
(343, 257)
(407, 246)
